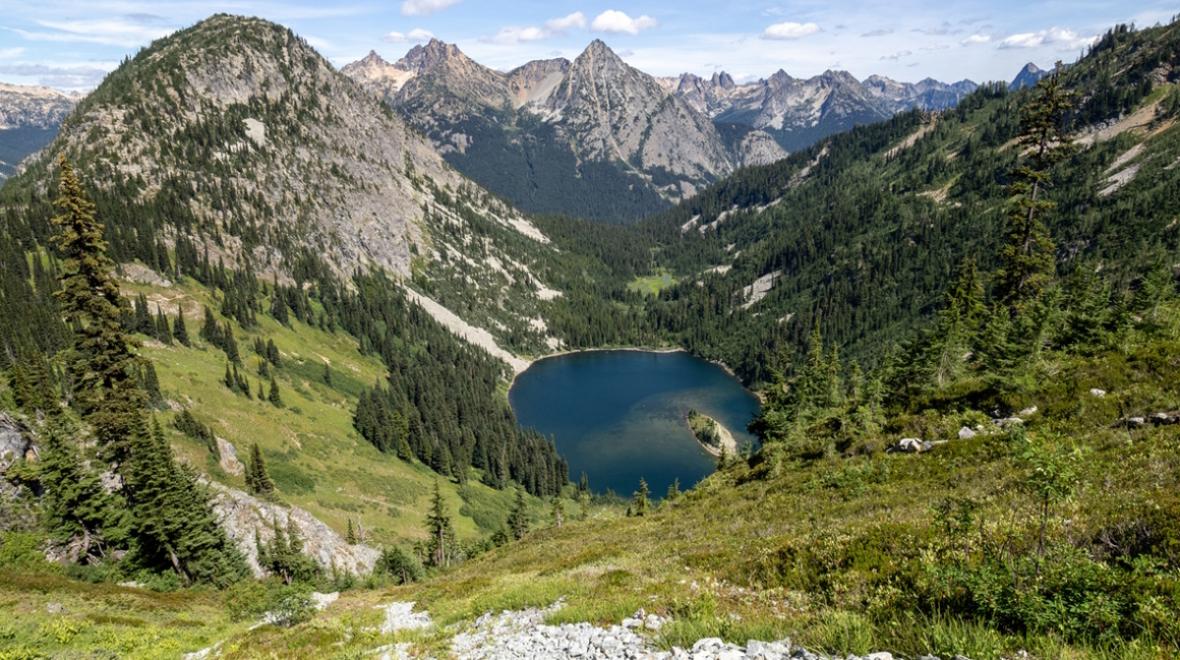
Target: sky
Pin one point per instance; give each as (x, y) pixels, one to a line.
(73, 44)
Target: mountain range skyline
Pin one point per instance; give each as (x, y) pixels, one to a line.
(70, 46)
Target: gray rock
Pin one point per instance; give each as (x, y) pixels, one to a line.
(1097, 392)
(15, 443)
(54, 608)
(966, 433)
(228, 457)
(909, 445)
(245, 517)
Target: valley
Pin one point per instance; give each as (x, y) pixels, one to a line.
(312, 357)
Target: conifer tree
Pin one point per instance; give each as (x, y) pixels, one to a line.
(179, 331)
(172, 522)
(163, 332)
(350, 535)
(258, 480)
(274, 397)
(558, 511)
(438, 526)
(518, 518)
(640, 504)
(1028, 254)
(673, 490)
(79, 514)
(101, 363)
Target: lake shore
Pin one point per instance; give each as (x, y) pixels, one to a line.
(637, 349)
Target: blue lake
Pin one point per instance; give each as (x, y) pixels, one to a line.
(619, 416)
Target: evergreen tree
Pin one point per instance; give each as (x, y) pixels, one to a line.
(438, 526)
(640, 504)
(558, 511)
(1028, 254)
(163, 332)
(518, 517)
(79, 514)
(274, 396)
(258, 480)
(101, 363)
(350, 535)
(173, 524)
(179, 331)
(403, 567)
(673, 491)
(283, 556)
(327, 375)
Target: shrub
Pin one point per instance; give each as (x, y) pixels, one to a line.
(400, 565)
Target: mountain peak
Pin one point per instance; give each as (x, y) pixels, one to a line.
(598, 50)
(424, 57)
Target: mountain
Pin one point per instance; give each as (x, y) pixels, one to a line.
(797, 112)
(594, 137)
(322, 168)
(29, 118)
(600, 139)
(741, 239)
(1029, 76)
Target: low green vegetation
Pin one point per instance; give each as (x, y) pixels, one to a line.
(652, 284)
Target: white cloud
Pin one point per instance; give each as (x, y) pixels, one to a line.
(976, 39)
(574, 20)
(616, 21)
(425, 7)
(105, 32)
(789, 30)
(1061, 38)
(893, 57)
(416, 35)
(515, 35)
(11, 53)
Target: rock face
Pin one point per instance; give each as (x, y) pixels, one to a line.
(552, 132)
(243, 516)
(29, 119)
(227, 457)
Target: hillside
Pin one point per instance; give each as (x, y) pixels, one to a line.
(894, 207)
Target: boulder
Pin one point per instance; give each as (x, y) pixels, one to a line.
(1097, 392)
(909, 446)
(1005, 422)
(966, 433)
(1028, 412)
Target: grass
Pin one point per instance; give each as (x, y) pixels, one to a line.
(829, 551)
(316, 458)
(652, 285)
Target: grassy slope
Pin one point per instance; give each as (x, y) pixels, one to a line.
(820, 550)
(316, 457)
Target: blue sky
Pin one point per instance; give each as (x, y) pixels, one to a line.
(72, 44)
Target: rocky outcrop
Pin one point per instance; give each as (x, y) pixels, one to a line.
(15, 442)
(227, 457)
(515, 634)
(244, 516)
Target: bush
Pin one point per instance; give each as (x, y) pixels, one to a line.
(400, 565)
